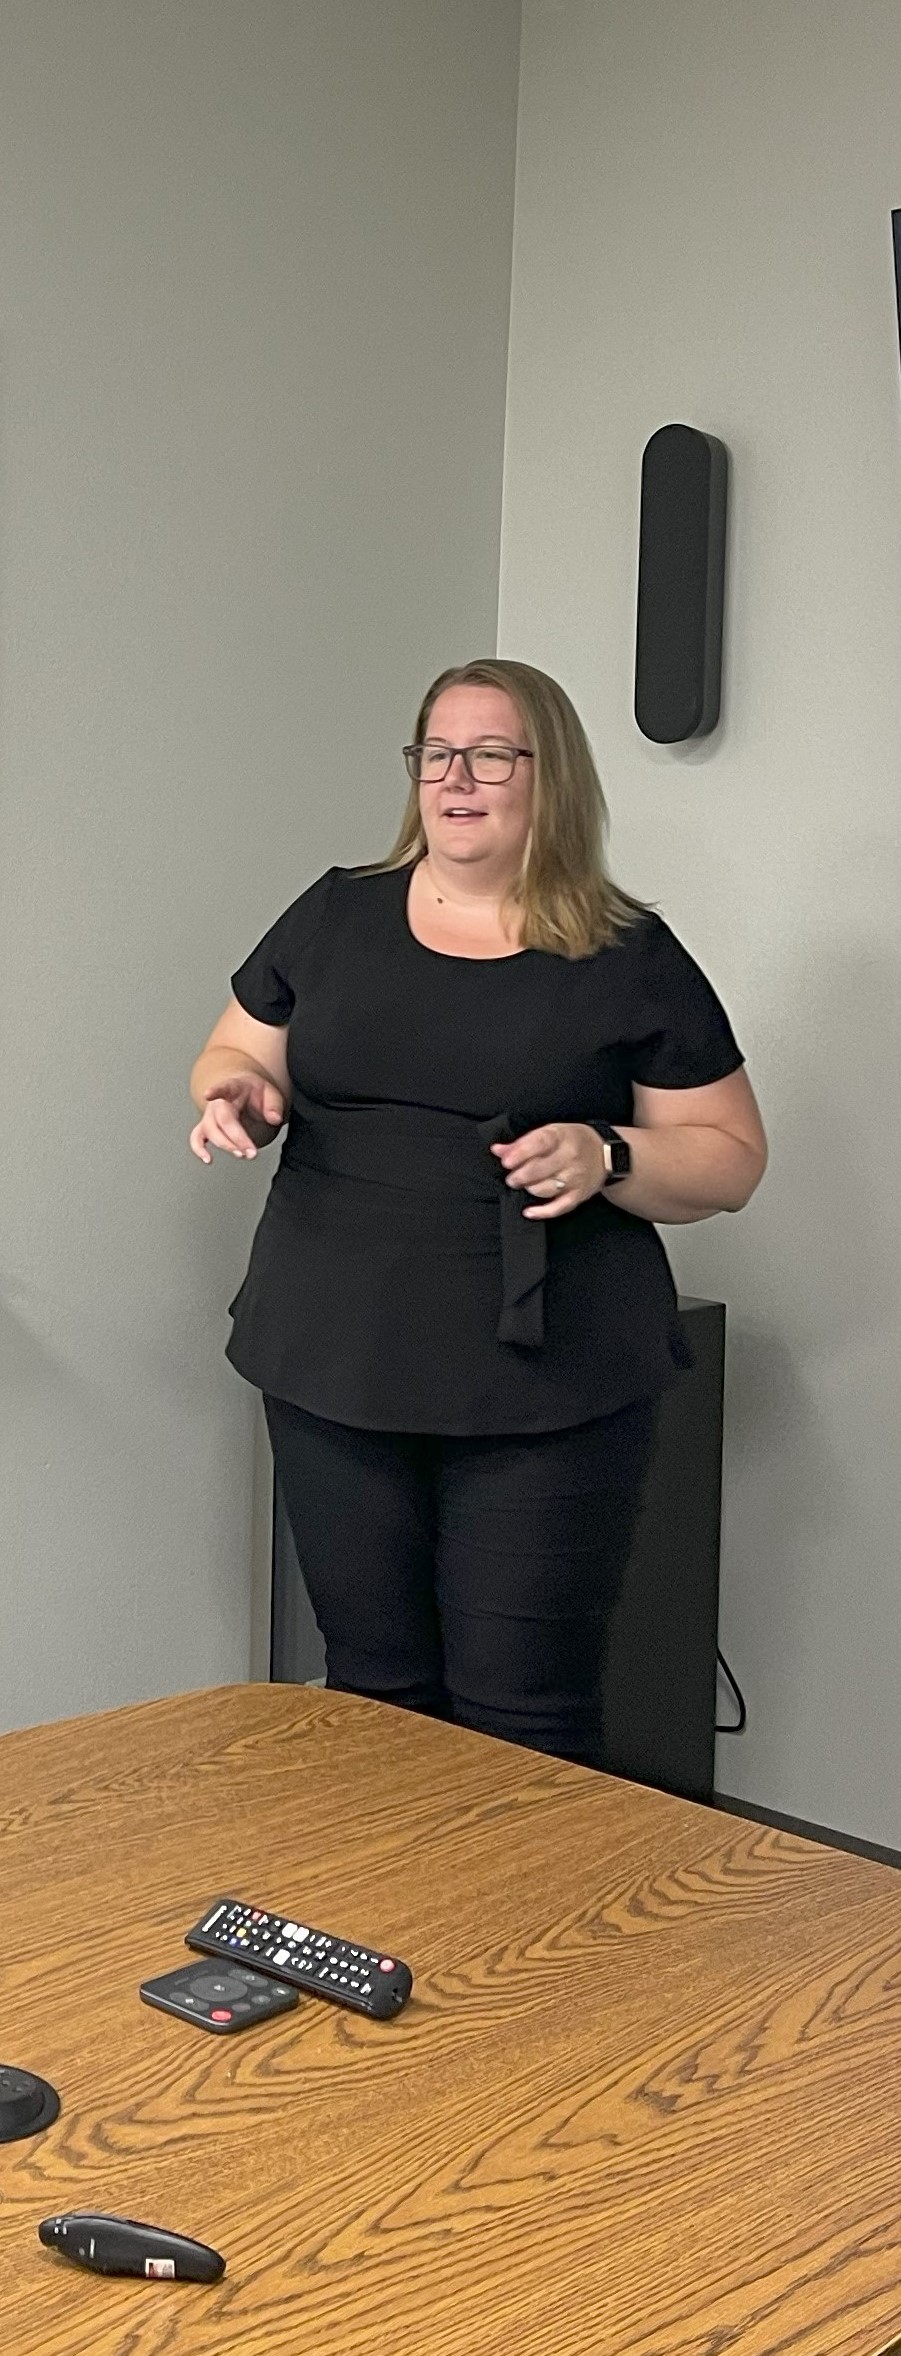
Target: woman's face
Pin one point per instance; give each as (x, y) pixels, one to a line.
(478, 828)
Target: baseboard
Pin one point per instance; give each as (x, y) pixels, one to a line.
(824, 1833)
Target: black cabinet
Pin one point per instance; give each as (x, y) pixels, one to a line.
(659, 1700)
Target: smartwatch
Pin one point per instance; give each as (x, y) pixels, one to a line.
(617, 1154)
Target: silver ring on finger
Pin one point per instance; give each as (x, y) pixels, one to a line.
(560, 1185)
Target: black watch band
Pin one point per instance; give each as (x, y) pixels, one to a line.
(617, 1154)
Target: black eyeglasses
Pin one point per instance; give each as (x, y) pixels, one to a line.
(485, 764)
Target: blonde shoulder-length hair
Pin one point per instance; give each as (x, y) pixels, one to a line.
(563, 898)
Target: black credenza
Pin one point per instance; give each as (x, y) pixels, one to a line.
(659, 1697)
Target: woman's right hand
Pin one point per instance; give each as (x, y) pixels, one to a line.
(238, 1115)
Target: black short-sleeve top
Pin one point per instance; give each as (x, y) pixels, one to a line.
(393, 1282)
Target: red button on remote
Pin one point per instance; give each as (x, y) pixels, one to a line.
(219, 2014)
(385, 1964)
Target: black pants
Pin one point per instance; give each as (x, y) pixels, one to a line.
(470, 1579)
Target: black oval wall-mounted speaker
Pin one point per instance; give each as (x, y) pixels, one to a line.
(681, 567)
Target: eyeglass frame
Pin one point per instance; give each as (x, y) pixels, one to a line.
(518, 751)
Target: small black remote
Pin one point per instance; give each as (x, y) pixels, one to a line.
(224, 2000)
(121, 2245)
(313, 1960)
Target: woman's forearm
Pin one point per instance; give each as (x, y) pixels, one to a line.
(680, 1175)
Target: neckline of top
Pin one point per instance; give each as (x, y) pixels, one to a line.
(451, 956)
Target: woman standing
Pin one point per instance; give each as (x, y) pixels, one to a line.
(498, 1072)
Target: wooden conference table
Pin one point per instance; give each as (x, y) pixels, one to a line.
(643, 2102)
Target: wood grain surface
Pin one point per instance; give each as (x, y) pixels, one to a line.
(643, 2101)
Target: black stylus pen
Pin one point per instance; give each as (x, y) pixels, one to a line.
(119, 2245)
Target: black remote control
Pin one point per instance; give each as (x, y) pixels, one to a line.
(316, 1961)
(225, 2000)
(121, 2245)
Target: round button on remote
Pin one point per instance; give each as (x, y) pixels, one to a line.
(213, 1984)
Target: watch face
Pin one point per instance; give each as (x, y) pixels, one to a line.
(620, 1157)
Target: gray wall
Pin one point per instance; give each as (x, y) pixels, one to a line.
(254, 274)
(254, 288)
(702, 233)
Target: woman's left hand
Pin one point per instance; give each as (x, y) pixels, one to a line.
(563, 1164)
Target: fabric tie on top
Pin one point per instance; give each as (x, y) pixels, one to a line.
(523, 1253)
(392, 1149)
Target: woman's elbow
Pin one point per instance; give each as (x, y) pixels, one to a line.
(754, 1159)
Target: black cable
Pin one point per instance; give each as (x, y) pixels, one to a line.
(742, 1719)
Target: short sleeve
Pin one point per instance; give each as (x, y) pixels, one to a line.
(266, 984)
(685, 1037)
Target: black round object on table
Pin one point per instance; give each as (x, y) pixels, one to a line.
(27, 2103)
